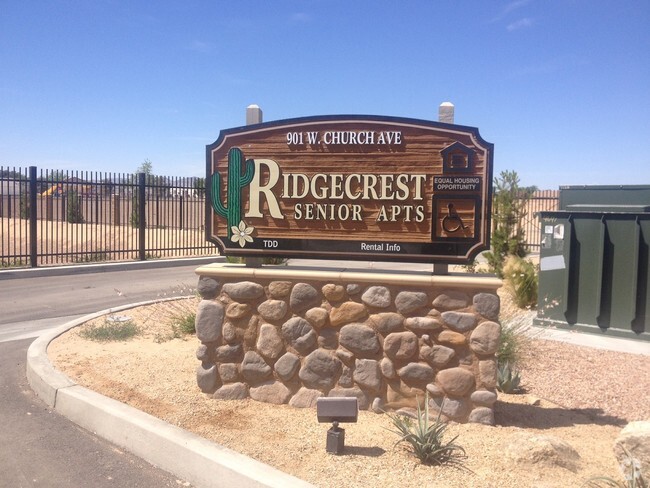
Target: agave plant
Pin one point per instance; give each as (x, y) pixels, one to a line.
(631, 468)
(425, 438)
(508, 379)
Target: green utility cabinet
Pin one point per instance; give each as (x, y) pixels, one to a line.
(594, 261)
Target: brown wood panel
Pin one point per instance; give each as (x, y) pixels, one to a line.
(327, 211)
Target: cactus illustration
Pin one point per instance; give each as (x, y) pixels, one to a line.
(236, 181)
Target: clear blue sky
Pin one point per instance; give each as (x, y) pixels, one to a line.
(561, 87)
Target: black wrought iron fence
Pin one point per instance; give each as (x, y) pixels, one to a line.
(62, 217)
(540, 201)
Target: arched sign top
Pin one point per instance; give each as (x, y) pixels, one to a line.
(350, 187)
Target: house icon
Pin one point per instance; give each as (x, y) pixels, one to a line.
(457, 158)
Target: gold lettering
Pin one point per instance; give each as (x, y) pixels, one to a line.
(314, 186)
(348, 187)
(256, 188)
(336, 192)
(419, 181)
(369, 188)
(386, 187)
(402, 185)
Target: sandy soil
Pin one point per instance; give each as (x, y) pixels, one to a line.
(580, 395)
(102, 241)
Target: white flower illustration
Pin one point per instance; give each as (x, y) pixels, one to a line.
(241, 234)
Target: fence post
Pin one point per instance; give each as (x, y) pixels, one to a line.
(142, 212)
(33, 215)
(116, 210)
(253, 116)
(180, 203)
(445, 115)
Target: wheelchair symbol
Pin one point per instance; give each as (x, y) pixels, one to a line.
(452, 221)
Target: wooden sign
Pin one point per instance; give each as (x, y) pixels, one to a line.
(350, 187)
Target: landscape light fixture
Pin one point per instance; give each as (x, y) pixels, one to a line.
(335, 410)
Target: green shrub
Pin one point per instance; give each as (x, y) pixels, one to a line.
(178, 314)
(514, 338)
(112, 329)
(74, 214)
(134, 220)
(476, 267)
(25, 209)
(508, 213)
(12, 263)
(93, 257)
(184, 324)
(521, 281)
(425, 438)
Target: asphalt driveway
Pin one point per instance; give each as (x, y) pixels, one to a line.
(38, 447)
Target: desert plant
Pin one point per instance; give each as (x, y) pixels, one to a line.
(508, 211)
(179, 314)
(73, 213)
(93, 257)
(510, 348)
(508, 379)
(25, 209)
(183, 323)
(425, 438)
(475, 267)
(521, 281)
(12, 263)
(199, 186)
(631, 468)
(112, 329)
(134, 220)
(471, 267)
(514, 338)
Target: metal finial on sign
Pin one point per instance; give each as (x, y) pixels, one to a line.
(446, 113)
(253, 115)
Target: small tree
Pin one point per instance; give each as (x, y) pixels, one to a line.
(145, 167)
(134, 220)
(74, 214)
(199, 186)
(156, 185)
(508, 212)
(25, 209)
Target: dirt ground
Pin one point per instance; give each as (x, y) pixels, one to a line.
(580, 395)
(94, 242)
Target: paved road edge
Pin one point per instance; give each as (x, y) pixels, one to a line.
(190, 457)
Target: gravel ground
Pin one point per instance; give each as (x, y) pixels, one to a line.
(580, 395)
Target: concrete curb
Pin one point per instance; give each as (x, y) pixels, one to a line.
(186, 455)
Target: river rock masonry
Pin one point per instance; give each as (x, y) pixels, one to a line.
(276, 337)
